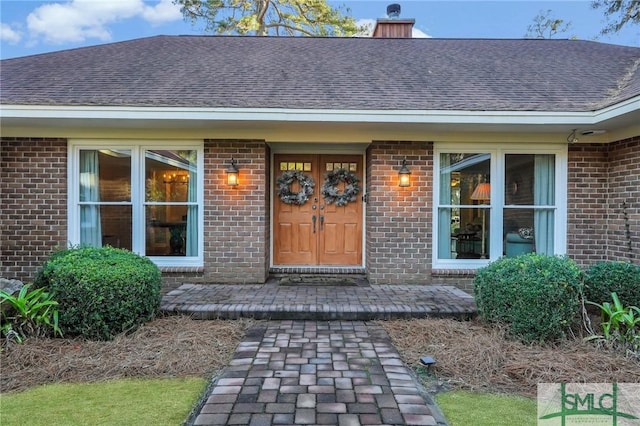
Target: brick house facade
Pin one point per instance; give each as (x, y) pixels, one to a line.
(409, 234)
(602, 177)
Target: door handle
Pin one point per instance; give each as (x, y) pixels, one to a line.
(313, 219)
(321, 221)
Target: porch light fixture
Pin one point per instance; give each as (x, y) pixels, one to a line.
(232, 173)
(404, 175)
(482, 193)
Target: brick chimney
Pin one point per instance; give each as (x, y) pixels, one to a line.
(393, 26)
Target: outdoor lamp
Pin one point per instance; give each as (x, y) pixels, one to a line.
(428, 362)
(404, 175)
(232, 173)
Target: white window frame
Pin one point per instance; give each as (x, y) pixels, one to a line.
(137, 148)
(497, 152)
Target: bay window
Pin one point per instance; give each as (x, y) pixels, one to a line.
(497, 201)
(144, 198)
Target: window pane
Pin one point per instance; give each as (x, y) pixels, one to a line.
(105, 175)
(170, 176)
(460, 174)
(528, 231)
(543, 226)
(171, 230)
(464, 181)
(466, 240)
(529, 179)
(106, 225)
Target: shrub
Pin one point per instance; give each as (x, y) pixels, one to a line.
(101, 291)
(605, 278)
(537, 296)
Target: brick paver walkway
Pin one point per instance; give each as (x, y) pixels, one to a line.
(273, 301)
(294, 372)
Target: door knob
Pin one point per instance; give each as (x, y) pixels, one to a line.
(313, 219)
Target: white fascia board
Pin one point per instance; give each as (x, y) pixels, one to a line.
(613, 111)
(317, 115)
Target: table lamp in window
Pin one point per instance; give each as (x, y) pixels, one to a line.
(482, 193)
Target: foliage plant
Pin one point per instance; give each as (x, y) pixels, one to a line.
(28, 314)
(618, 13)
(536, 296)
(102, 291)
(605, 278)
(620, 326)
(271, 17)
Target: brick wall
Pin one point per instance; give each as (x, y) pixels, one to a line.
(601, 178)
(587, 203)
(398, 235)
(623, 232)
(33, 203)
(236, 220)
(33, 209)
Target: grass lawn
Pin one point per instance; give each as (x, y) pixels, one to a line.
(462, 408)
(117, 402)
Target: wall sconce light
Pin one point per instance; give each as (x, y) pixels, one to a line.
(404, 175)
(232, 173)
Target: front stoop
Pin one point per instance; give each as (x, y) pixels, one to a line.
(361, 302)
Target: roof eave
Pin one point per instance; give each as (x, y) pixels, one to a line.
(619, 116)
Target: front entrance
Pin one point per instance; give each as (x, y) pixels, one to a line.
(316, 232)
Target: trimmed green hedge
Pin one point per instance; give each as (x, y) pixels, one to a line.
(605, 278)
(102, 292)
(537, 296)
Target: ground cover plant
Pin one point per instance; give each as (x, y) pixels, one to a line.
(158, 402)
(487, 409)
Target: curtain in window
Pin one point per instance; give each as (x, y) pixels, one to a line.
(543, 195)
(444, 214)
(90, 227)
(192, 214)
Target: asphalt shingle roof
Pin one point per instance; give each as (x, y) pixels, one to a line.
(329, 73)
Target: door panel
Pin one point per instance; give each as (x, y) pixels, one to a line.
(336, 236)
(295, 243)
(343, 245)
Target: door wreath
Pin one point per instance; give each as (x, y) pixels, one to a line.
(284, 187)
(330, 191)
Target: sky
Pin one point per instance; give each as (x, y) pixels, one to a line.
(29, 27)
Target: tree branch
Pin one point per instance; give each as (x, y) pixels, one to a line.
(290, 28)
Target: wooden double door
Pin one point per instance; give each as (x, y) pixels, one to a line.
(317, 233)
